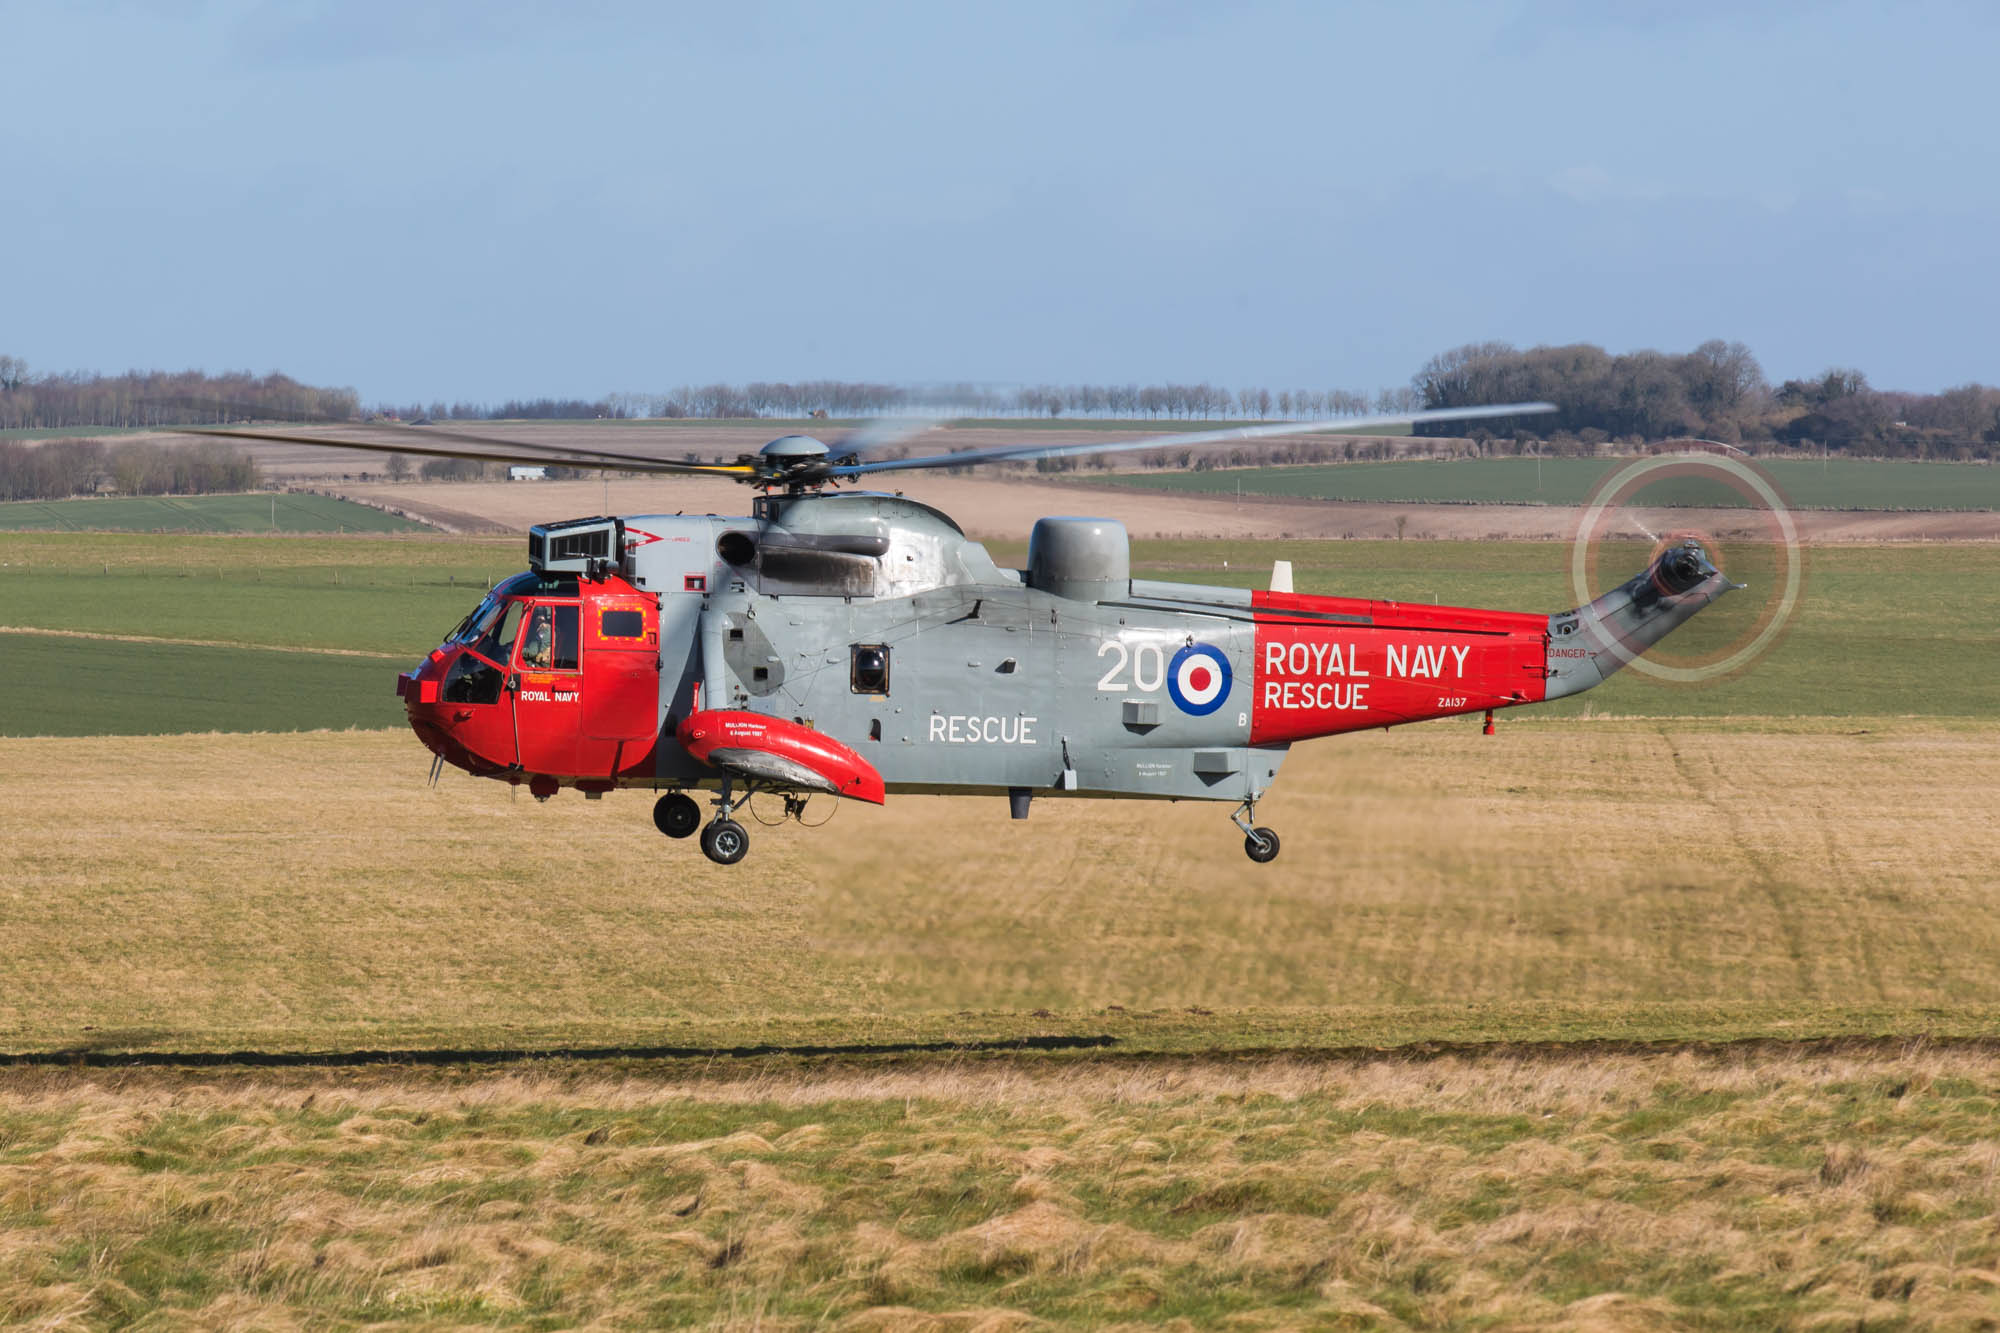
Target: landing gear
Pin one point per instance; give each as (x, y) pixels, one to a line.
(1259, 844)
(725, 841)
(676, 814)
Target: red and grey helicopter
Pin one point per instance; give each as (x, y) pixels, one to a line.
(856, 644)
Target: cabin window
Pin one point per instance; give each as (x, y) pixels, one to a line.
(549, 643)
(869, 668)
(624, 624)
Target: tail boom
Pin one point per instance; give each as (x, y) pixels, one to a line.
(1328, 665)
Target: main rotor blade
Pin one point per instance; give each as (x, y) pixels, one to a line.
(881, 433)
(1348, 425)
(502, 451)
(567, 451)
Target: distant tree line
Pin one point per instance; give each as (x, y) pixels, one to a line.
(514, 409)
(155, 398)
(1716, 392)
(849, 399)
(62, 468)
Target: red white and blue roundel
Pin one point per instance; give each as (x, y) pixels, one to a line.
(1198, 679)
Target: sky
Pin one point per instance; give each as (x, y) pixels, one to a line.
(495, 200)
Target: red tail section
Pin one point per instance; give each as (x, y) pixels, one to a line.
(1325, 665)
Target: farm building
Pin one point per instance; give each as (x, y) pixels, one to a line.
(527, 472)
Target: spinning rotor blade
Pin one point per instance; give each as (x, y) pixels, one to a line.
(881, 433)
(1028, 452)
(496, 451)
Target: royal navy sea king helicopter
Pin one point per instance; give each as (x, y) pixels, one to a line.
(856, 644)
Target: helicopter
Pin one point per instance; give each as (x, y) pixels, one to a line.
(856, 644)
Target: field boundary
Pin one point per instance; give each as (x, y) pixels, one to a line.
(199, 643)
(1091, 1048)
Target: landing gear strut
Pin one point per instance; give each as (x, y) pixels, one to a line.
(676, 814)
(725, 841)
(1259, 844)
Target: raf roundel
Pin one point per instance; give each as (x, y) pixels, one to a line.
(1198, 679)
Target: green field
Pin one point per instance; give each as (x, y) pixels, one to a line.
(255, 513)
(96, 687)
(1826, 484)
(198, 619)
(1881, 630)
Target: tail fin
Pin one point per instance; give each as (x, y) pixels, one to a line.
(1590, 643)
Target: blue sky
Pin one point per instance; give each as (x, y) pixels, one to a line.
(489, 200)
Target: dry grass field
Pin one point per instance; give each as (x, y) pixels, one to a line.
(1841, 1188)
(1569, 879)
(288, 1038)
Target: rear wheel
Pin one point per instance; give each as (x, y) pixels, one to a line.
(676, 814)
(725, 842)
(1261, 845)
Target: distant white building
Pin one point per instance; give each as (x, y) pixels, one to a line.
(527, 472)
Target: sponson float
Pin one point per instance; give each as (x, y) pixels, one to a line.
(858, 645)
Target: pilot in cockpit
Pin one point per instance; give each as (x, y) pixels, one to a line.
(535, 648)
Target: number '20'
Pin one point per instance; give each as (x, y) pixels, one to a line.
(1146, 663)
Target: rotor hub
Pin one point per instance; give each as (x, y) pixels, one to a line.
(789, 449)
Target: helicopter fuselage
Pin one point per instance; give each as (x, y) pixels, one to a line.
(873, 621)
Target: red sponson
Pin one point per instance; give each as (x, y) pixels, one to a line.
(727, 729)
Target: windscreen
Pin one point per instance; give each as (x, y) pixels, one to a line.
(496, 642)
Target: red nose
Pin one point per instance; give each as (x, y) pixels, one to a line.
(453, 730)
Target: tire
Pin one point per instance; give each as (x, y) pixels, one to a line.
(725, 842)
(1261, 846)
(676, 814)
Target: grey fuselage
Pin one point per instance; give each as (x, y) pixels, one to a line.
(991, 683)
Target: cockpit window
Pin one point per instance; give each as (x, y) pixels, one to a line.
(497, 639)
(478, 621)
(550, 642)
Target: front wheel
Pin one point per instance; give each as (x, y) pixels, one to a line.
(725, 842)
(676, 814)
(1261, 845)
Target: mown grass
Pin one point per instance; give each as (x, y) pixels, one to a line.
(1727, 1191)
(201, 513)
(221, 603)
(370, 594)
(1842, 483)
(98, 687)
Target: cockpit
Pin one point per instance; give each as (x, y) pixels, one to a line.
(547, 671)
(516, 614)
